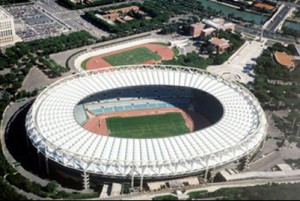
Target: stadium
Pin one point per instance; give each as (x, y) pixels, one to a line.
(232, 123)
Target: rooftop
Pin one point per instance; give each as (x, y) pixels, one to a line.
(212, 24)
(4, 14)
(228, 24)
(284, 59)
(284, 167)
(219, 21)
(263, 5)
(51, 123)
(209, 29)
(198, 25)
(219, 42)
(124, 10)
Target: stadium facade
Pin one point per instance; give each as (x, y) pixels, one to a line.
(239, 129)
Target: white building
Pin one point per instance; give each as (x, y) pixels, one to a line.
(7, 28)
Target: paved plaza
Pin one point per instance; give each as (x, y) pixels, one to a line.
(239, 67)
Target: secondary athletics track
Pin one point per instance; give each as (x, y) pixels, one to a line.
(165, 52)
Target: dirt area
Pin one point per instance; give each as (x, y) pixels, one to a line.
(36, 79)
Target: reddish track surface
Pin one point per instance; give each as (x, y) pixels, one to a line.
(163, 51)
(98, 124)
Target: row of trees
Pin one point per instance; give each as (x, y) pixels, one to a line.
(7, 192)
(49, 190)
(190, 59)
(50, 67)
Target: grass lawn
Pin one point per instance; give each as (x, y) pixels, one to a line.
(165, 197)
(162, 44)
(135, 56)
(175, 51)
(83, 64)
(151, 126)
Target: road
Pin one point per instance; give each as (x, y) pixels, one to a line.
(209, 187)
(278, 18)
(293, 4)
(266, 33)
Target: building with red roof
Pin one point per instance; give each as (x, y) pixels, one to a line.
(221, 44)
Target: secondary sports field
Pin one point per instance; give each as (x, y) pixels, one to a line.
(136, 56)
(141, 54)
(152, 126)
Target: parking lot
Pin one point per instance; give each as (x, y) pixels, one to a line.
(51, 6)
(38, 23)
(71, 18)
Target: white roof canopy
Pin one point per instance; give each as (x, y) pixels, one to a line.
(52, 128)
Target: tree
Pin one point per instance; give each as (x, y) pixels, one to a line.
(51, 187)
(10, 77)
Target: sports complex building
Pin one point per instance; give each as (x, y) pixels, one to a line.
(235, 124)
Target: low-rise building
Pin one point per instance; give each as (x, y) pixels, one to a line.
(120, 15)
(196, 29)
(207, 32)
(219, 24)
(221, 44)
(219, 21)
(124, 10)
(207, 26)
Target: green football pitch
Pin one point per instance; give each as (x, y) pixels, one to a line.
(151, 126)
(135, 56)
